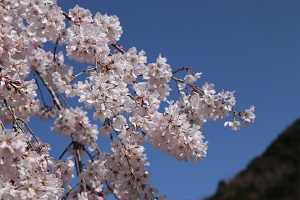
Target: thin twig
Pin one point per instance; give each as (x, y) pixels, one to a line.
(67, 194)
(29, 129)
(16, 124)
(78, 146)
(63, 153)
(63, 99)
(178, 90)
(108, 186)
(88, 153)
(67, 16)
(181, 69)
(195, 88)
(38, 85)
(118, 47)
(76, 167)
(52, 93)
(97, 147)
(54, 50)
(83, 71)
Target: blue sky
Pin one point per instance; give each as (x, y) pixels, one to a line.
(251, 47)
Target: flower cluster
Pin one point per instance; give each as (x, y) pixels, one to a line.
(36, 175)
(95, 174)
(129, 97)
(19, 96)
(174, 135)
(111, 25)
(247, 117)
(75, 124)
(48, 67)
(126, 172)
(159, 74)
(45, 19)
(46, 113)
(88, 38)
(107, 89)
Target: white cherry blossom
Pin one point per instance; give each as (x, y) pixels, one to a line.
(127, 97)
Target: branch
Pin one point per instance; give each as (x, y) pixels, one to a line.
(83, 71)
(29, 129)
(67, 16)
(52, 93)
(77, 147)
(118, 47)
(98, 149)
(54, 51)
(38, 85)
(67, 194)
(195, 88)
(15, 119)
(181, 69)
(63, 99)
(108, 186)
(63, 153)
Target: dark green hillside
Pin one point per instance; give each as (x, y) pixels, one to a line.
(275, 175)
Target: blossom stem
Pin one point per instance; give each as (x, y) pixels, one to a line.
(67, 16)
(38, 85)
(118, 48)
(63, 153)
(54, 50)
(15, 119)
(52, 93)
(108, 186)
(181, 69)
(32, 133)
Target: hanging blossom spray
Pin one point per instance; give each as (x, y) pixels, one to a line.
(118, 88)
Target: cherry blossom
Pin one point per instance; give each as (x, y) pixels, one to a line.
(119, 95)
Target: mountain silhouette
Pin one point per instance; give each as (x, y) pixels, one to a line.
(275, 175)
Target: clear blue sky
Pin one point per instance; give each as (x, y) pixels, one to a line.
(252, 47)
